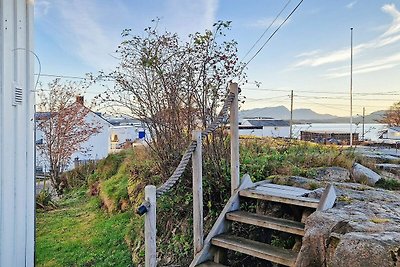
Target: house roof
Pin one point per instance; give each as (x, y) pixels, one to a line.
(123, 121)
(42, 115)
(273, 123)
(47, 115)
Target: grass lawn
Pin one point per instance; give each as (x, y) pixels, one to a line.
(78, 233)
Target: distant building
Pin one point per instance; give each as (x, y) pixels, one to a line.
(95, 148)
(265, 127)
(125, 136)
(339, 138)
(391, 134)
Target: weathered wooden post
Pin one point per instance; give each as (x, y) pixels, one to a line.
(150, 227)
(198, 234)
(234, 129)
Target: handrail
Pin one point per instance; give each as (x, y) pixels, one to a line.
(193, 150)
(177, 174)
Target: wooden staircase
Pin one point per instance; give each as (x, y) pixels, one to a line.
(221, 237)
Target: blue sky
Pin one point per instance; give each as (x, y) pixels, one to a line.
(310, 54)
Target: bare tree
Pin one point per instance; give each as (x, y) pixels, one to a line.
(392, 116)
(173, 86)
(64, 126)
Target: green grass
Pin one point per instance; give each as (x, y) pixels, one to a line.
(86, 231)
(264, 157)
(388, 184)
(78, 233)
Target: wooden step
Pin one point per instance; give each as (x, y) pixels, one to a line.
(210, 264)
(257, 249)
(291, 190)
(279, 197)
(265, 221)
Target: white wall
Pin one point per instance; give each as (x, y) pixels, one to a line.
(124, 133)
(267, 131)
(16, 134)
(251, 132)
(98, 144)
(392, 134)
(276, 131)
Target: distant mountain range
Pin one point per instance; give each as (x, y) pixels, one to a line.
(306, 115)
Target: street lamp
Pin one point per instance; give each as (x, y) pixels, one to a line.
(351, 86)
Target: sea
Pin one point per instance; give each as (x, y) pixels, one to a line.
(372, 131)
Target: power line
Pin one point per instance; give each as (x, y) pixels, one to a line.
(320, 92)
(62, 76)
(269, 26)
(341, 98)
(107, 79)
(390, 93)
(272, 35)
(265, 98)
(339, 105)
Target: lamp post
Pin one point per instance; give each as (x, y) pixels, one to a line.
(351, 86)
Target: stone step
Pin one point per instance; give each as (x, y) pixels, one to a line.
(210, 264)
(256, 249)
(280, 197)
(265, 221)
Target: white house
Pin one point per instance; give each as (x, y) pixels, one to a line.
(264, 127)
(17, 98)
(122, 136)
(390, 135)
(95, 148)
(393, 133)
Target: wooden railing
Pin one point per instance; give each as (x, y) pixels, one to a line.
(194, 151)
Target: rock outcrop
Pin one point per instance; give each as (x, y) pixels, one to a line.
(332, 174)
(362, 174)
(362, 230)
(389, 167)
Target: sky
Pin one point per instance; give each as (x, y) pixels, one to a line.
(310, 53)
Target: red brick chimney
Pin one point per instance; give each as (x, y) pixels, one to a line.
(80, 99)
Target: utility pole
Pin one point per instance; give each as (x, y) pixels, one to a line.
(363, 123)
(351, 86)
(291, 115)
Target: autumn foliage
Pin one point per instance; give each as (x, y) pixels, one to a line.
(392, 116)
(173, 86)
(64, 127)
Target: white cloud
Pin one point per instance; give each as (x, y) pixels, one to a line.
(210, 10)
(266, 22)
(185, 17)
(89, 30)
(41, 8)
(395, 27)
(390, 36)
(351, 4)
(85, 35)
(310, 53)
(375, 65)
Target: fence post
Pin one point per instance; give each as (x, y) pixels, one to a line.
(234, 129)
(150, 227)
(198, 234)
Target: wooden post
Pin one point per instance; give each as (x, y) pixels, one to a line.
(150, 227)
(234, 128)
(198, 234)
